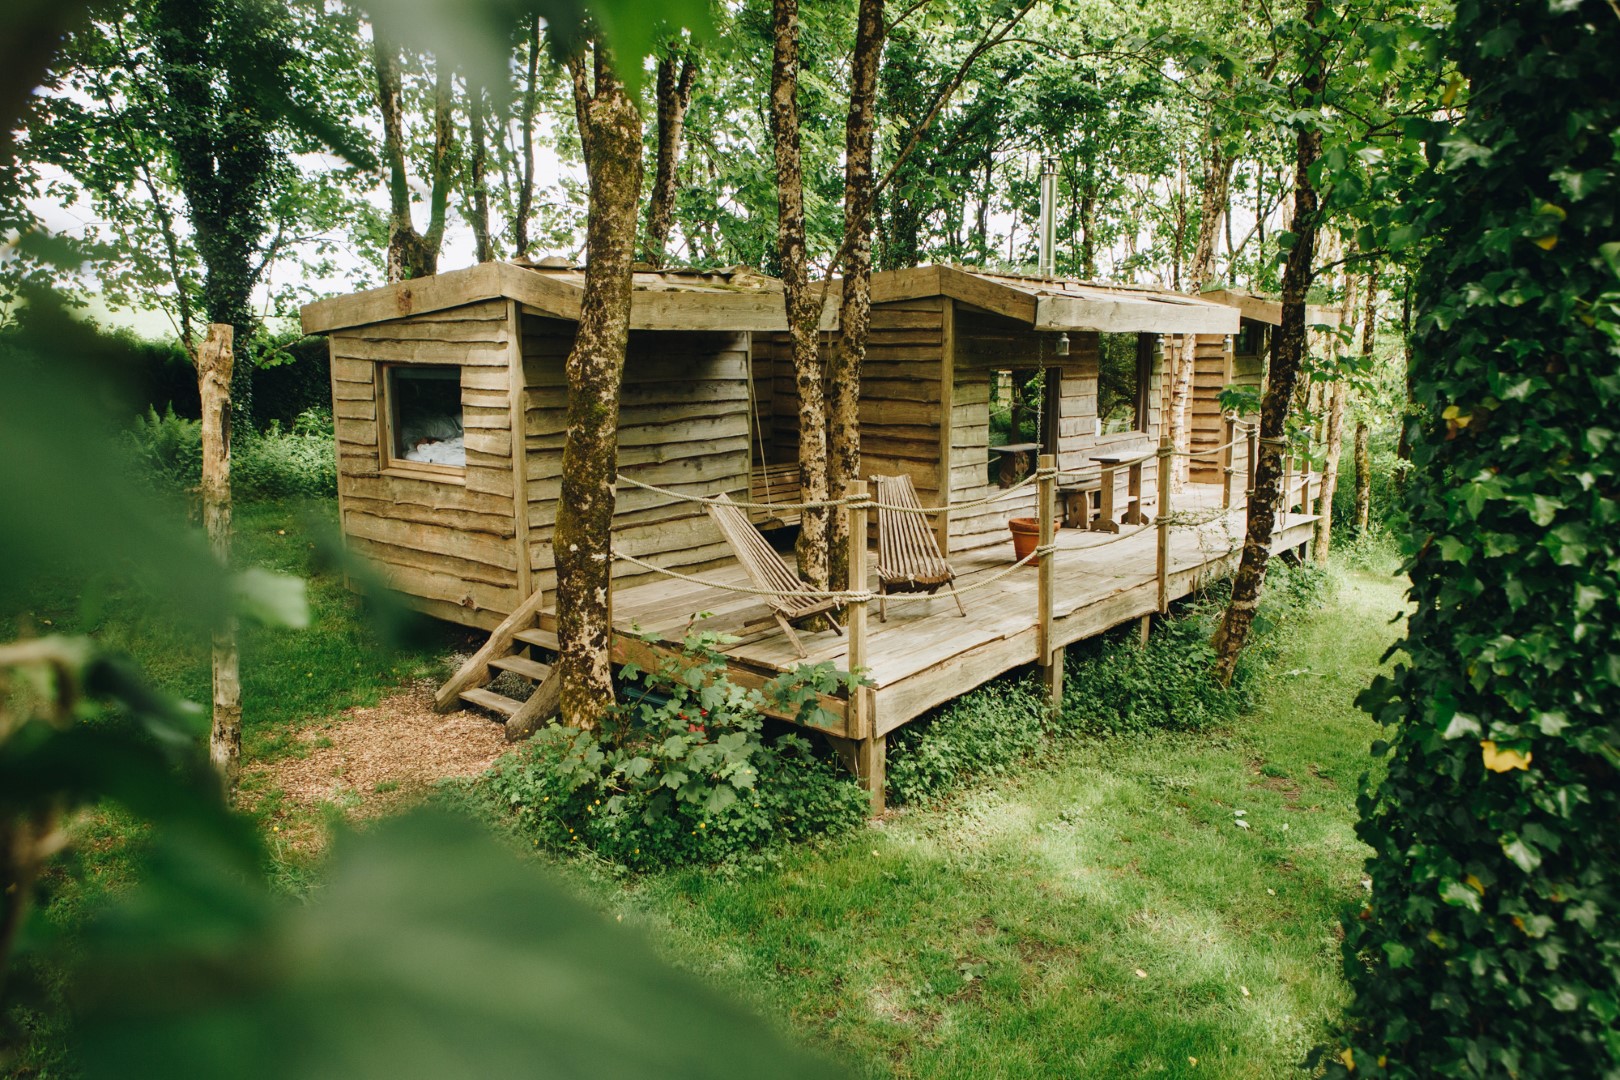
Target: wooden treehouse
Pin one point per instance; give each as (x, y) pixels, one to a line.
(994, 396)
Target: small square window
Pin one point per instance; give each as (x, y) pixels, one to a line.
(1250, 339)
(424, 416)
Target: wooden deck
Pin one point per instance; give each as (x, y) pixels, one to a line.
(926, 653)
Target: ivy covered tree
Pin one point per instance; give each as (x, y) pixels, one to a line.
(1488, 944)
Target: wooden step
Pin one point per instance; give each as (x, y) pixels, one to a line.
(489, 699)
(546, 639)
(529, 669)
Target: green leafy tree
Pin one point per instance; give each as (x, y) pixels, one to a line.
(1488, 944)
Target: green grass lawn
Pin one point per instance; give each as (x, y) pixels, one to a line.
(1104, 914)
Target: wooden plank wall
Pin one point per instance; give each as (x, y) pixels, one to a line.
(901, 406)
(448, 545)
(1211, 373)
(683, 425)
(986, 344)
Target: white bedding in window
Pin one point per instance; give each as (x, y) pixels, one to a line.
(451, 451)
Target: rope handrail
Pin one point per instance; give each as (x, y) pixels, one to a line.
(843, 595)
(1000, 496)
(709, 500)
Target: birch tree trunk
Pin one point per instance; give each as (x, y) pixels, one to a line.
(1369, 337)
(610, 132)
(674, 98)
(214, 362)
(1338, 398)
(1287, 355)
(1184, 354)
(803, 303)
(855, 312)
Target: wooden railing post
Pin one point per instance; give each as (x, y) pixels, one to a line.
(1163, 519)
(1050, 656)
(870, 757)
(1228, 436)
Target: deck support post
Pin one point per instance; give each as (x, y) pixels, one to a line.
(1228, 435)
(1163, 517)
(1144, 627)
(1049, 653)
(870, 751)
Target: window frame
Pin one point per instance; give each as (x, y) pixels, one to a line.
(388, 463)
(1139, 404)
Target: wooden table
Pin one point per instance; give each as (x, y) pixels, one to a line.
(1110, 464)
(1013, 458)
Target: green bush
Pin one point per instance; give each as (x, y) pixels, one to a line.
(279, 464)
(979, 734)
(166, 452)
(685, 774)
(1384, 469)
(1112, 685)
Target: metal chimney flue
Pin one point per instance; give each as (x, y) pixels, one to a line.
(1048, 222)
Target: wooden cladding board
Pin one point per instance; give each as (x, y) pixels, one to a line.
(901, 405)
(683, 426)
(985, 345)
(447, 543)
(1211, 368)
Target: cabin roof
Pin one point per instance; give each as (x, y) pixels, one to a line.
(1267, 309)
(1053, 303)
(733, 299)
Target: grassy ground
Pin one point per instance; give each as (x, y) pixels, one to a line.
(1104, 916)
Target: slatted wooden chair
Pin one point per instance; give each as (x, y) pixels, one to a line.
(909, 559)
(766, 570)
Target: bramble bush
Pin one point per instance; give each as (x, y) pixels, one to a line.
(1112, 685)
(685, 772)
(1490, 942)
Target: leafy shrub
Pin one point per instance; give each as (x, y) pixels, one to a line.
(684, 774)
(278, 464)
(979, 734)
(1112, 685)
(166, 452)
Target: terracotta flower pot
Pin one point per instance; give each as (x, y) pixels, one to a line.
(1026, 535)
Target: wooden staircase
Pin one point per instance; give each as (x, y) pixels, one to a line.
(507, 650)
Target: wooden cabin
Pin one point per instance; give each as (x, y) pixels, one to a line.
(970, 375)
(449, 395)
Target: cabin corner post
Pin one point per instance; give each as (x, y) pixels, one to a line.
(517, 392)
(947, 436)
(1165, 487)
(1049, 655)
(871, 751)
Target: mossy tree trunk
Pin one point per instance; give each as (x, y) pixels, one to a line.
(803, 303)
(610, 131)
(1288, 351)
(677, 74)
(855, 312)
(412, 254)
(214, 363)
(1369, 337)
(1338, 400)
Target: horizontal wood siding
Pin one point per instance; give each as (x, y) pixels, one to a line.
(447, 545)
(683, 425)
(1211, 373)
(986, 344)
(901, 408)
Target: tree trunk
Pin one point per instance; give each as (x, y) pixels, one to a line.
(531, 100)
(412, 254)
(478, 168)
(803, 303)
(674, 98)
(1337, 393)
(855, 312)
(610, 132)
(1369, 337)
(1287, 354)
(1184, 353)
(214, 362)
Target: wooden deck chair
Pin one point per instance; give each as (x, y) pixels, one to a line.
(766, 570)
(908, 552)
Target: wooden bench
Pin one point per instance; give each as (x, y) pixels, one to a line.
(1075, 502)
